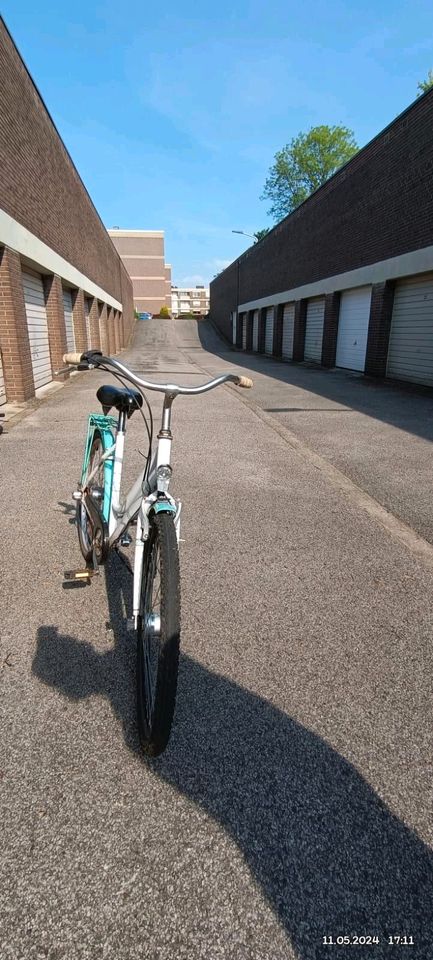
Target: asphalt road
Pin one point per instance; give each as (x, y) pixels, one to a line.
(294, 800)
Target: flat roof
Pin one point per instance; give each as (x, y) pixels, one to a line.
(113, 232)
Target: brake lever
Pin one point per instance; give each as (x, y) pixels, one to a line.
(75, 366)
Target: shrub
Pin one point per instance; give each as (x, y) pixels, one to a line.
(164, 312)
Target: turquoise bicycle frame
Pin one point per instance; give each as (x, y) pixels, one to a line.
(105, 426)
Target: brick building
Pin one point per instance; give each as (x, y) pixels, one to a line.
(62, 284)
(347, 279)
(143, 256)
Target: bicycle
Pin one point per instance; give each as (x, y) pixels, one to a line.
(104, 516)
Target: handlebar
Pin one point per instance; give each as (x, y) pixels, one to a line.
(94, 358)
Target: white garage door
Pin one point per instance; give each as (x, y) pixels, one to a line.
(269, 331)
(256, 330)
(410, 353)
(69, 320)
(2, 385)
(244, 331)
(38, 328)
(234, 326)
(353, 328)
(314, 329)
(288, 330)
(87, 319)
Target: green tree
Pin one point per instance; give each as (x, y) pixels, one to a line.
(259, 234)
(426, 84)
(304, 164)
(164, 312)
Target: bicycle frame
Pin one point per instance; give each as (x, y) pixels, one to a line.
(138, 504)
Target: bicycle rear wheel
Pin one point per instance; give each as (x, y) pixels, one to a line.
(158, 636)
(96, 488)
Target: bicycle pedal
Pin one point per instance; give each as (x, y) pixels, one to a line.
(79, 576)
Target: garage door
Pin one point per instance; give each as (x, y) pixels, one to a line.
(410, 354)
(269, 331)
(288, 329)
(256, 330)
(69, 321)
(37, 327)
(353, 328)
(244, 331)
(87, 319)
(2, 385)
(314, 329)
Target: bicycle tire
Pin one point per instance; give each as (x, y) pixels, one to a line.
(85, 533)
(156, 694)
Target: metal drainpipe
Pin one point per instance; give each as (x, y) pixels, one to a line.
(237, 303)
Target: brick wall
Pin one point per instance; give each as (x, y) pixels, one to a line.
(144, 266)
(143, 258)
(378, 206)
(139, 246)
(14, 338)
(149, 288)
(39, 185)
(148, 305)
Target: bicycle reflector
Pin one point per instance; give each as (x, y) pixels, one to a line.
(164, 472)
(163, 475)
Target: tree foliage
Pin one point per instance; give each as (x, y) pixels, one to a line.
(164, 312)
(304, 164)
(426, 84)
(259, 234)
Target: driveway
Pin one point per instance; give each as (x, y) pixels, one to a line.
(378, 434)
(294, 800)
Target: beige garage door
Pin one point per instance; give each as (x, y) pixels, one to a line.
(269, 331)
(410, 352)
(256, 330)
(37, 327)
(2, 385)
(288, 330)
(314, 329)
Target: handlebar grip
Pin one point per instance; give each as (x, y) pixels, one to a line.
(72, 358)
(245, 382)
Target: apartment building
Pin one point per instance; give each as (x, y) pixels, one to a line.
(143, 256)
(189, 300)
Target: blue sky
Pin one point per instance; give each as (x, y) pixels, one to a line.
(173, 112)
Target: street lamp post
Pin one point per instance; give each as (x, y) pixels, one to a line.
(246, 234)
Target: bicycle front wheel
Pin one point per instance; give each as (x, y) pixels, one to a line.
(158, 636)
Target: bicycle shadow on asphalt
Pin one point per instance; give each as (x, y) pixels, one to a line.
(331, 858)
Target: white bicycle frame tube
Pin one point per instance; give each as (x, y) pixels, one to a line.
(135, 504)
